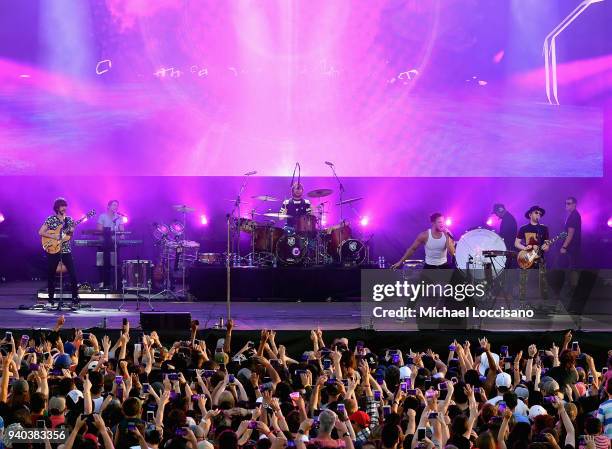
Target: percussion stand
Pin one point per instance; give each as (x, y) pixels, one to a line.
(183, 291)
(166, 292)
(497, 280)
(341, 189)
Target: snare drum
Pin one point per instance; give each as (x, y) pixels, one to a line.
(137, 274)
(210, 258)
(187, 253)
(291, 249)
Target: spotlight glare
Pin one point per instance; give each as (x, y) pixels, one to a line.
(610, 222)
(364, 221)
(448, 221)
(203, 220)
(1, 217)
(125, 220)
(489, 221)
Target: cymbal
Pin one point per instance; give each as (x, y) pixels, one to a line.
(349, 201)
(276, 215)
(320, 193)
(183, 208)
(265, 198)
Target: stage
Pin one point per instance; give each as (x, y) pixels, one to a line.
(17, 297)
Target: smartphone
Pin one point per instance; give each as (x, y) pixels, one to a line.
(250, 344)
(326, 364)
(173, 376)
(24, 340)
(432, 415)
(503, 351)
(386, 410)
(452, 347)
(550, 399)
(231, 378)
(180, 432)
(421, 433)
(476, 390)
(34, 366)
(209, 372)
(131, 426)
(403, 387)
(125, 321)
(501, 405)
(150, 416)
(409, 360)
(442, 386)
(222, 366)
(315, 419)
(118, 380)
(290, 443)
(454, 380)
(40, 423)
(377, 395)
(590, 379)
(341, 408)
(604, 370)
(411, 391)
(195, 397)
(574, 346)
(427, 383)
(8, 335)
(360, 344)
(86, 335)
(395, 358)
(253, 425)
(294, 395)
(173, 395)
(145, 388)
(430, 394)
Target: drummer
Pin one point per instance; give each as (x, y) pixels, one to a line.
(296, 205)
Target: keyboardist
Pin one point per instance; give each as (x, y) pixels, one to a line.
(109, 222)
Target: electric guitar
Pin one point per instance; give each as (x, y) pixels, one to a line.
(526, 258)
(54, 245)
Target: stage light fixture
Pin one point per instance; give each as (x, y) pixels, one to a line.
(203, 220)
(448, 221)
(125, 220)
(364, 221)
(1, 217)
(490, 221)
(609, 222)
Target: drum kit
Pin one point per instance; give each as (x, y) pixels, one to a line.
(307, 242)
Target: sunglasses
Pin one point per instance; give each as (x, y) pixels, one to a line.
(569, 203)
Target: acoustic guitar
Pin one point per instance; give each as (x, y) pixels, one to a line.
(526, 258)
(54, 245)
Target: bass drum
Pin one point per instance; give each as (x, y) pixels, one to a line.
(291, 249)
(352, 252)
(469, 250)
(266, 238)
(337, 235)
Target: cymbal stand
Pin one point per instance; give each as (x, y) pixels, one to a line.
(319, 241)
(340, 189)
(165, 259)
(115, 226)
(232, 216)
(183, 290)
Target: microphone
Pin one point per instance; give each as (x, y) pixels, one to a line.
(251, 173)
(329, 163)
(121, 214)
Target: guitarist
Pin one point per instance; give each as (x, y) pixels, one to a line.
(533, 236)
(64, 256)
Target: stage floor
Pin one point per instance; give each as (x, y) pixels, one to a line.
(288, 315)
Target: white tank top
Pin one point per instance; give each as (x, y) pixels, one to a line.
(435, 250)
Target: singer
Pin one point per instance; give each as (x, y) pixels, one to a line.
(61, 261)
(438, 242)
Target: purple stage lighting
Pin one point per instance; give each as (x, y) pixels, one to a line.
(2, 218)
(364, 221)
(448, 221)
(490, 221)
(125, 220)
(203, 220)
(609, 222)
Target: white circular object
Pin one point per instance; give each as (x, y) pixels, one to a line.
(470, 247)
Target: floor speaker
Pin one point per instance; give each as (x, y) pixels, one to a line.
(157, 321)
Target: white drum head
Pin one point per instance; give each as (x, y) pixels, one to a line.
(473, 243)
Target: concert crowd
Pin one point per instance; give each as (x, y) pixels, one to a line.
(140, 391)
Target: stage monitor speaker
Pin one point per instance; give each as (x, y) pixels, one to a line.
(158, 321)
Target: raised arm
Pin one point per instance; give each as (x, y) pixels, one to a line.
(420, 240)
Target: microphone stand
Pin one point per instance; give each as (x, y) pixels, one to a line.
(341, 189)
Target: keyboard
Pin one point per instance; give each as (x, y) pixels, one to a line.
(100, 243)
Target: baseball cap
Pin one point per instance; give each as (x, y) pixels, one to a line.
(361, 418)
(484, 362)
(522, 391)
(405, 372)
(69, 348)
(62, 361)
(536, 410)
(549, 386)
(503, 380)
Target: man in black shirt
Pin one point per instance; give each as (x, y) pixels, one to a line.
(533, 235)
(507, 230)
(573, 226)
